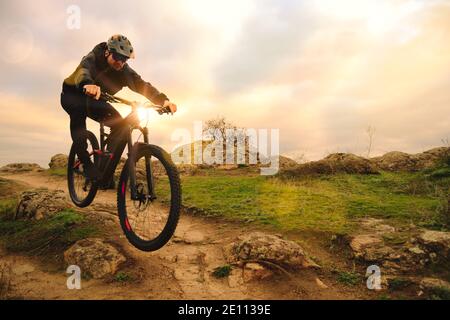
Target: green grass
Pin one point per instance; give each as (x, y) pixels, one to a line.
(440, 293)
(349, 278)
(321, 203)
(8, 208)
(48, 235)
(59, 172)
(222, 272)
(123, 277)
(399, 284)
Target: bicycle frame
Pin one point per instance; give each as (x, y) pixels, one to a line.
(121, 139)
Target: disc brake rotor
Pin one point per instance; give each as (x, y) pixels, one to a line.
(143, 199)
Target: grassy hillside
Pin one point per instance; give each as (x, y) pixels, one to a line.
(322, 203)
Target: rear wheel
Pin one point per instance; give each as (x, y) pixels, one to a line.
(150, 221)
(81, 189)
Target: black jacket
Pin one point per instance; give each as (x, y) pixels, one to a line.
(94, 69)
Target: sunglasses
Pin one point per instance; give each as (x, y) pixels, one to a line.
(119, 57)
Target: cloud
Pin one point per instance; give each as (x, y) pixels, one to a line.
(268, 39)
(321, 73)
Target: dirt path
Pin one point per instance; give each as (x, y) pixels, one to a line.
(180, 270)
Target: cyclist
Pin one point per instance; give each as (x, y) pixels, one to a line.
(104, 69)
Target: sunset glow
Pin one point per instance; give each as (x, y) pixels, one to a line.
(320, 71)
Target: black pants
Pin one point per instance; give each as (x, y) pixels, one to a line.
(79, 106)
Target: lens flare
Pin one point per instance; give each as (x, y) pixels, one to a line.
(143, 114)
(146, 115)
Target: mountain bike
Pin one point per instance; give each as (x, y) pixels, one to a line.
(148, 192)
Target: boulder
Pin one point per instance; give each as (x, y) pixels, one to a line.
(396, 161)
(205, 149)
(21, 167)
(407, 256)
(41, 203)
(95, 257)
(187, 169)
(285, 162)
(430, 158)
(370, 247)
(258, 246)
(360, 242)
(435, 241)
(401, 161)
(432, 283)
(333, 164)
(58, 161)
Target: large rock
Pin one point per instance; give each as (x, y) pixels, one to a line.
(258, 246)
(398, 252)
(436, 241)
(369, 244)
(187, 169)
(401, 161)
(41, 203)
(332, 164)
(58, 161)
(95, 257)
(371, 248)
(286, 163)
(430, 158)
(21, 167)
(396, 161)
(432, 283)
(361, 242)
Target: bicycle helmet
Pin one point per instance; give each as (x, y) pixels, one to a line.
(120, 44)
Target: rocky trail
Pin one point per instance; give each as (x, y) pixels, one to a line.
(183, 269)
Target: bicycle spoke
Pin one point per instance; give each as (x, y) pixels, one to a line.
(148, 219)
(79, 187)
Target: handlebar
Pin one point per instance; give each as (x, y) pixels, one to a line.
(113, 99)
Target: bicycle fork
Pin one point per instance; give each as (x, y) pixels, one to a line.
(132, 168)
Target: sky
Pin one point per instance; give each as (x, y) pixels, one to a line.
(322, 72)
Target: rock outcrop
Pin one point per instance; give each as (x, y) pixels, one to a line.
(380, 243)
(41, 203)
(259, 247)
(58, 161)
(435, 241)
(95, 257)
(401, 161)
(21, 167)
(332, 164)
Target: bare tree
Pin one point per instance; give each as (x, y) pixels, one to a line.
(370, 134)
(217, 127)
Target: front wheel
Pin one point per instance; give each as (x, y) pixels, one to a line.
(150, 219)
